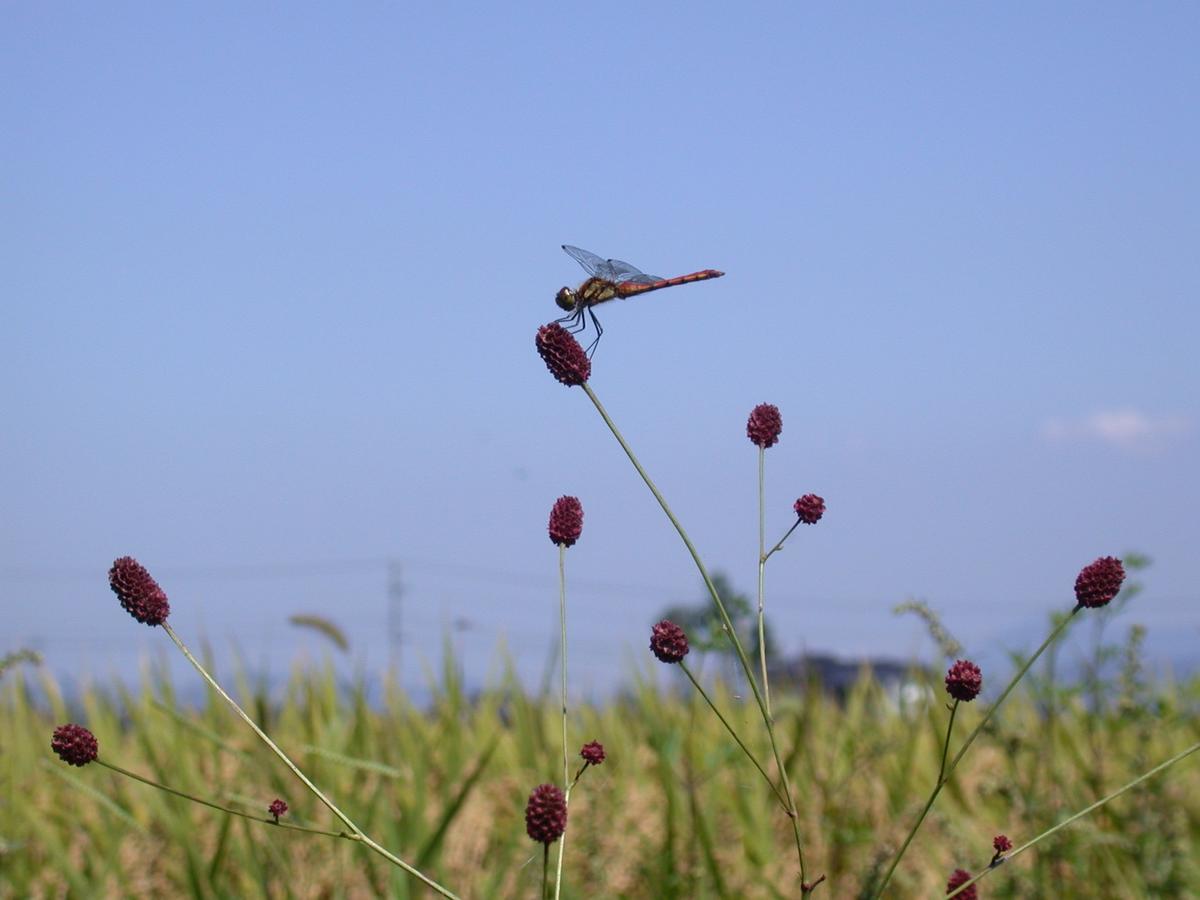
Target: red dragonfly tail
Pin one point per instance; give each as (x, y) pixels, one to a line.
(629, 288)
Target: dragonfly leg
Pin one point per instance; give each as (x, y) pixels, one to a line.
(599, 331)
(575, 321)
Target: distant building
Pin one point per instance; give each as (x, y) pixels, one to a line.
(903, 683)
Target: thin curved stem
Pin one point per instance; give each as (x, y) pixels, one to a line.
(946, 744)
(225, 809)
(947, 771)
(1079, 815)
(779, 544)
(725, 620)
(329, 804)
(733, 734)
(1012, 684)
(937, 789)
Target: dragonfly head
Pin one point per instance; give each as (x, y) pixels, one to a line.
(566, 299)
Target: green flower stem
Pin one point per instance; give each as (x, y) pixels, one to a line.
(947, 771)
(937, 789)
(562, 619)
(779, 546)
(750, 756)
(762, 565)
(267, 820)
(1012, 684)
(728, 624)
(1079, 815)
(712, 590)
(358, 832)
(578, 775)
(946, 745)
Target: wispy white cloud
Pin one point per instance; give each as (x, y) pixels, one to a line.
(1126, 429)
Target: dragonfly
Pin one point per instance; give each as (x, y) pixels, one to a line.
(610, 278)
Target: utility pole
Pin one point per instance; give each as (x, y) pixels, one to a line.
(395, 592)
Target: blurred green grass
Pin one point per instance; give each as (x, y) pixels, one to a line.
(674, 812)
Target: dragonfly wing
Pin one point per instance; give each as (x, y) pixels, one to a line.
(590, 261)
(619, 270)
(638, 278)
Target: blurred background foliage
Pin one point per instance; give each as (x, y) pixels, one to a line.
(675, 810)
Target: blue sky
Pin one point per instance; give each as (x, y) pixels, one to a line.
(271, 278)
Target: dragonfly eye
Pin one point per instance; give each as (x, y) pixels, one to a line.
(565, 298)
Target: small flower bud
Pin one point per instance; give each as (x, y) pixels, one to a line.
(562, 354)
(764, 425)
(74, 745)
(277, 809)
(958, 879)
(964, 681)
(546, 814)
(1099, 582)
(810, 508)
(668, 642)
(139, 593)
(1001, 843)
(566, 521)
(593, 753)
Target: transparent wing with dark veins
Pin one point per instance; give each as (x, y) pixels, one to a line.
(614, 270)
(590, 261)
(620, 271)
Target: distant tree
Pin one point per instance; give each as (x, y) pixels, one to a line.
(703, 623)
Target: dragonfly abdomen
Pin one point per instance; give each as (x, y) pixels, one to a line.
(629, 288)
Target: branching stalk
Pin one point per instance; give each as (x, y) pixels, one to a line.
(1079, 815)
(734, 735)
(225, 809)
(329, 804)
(726, 622)
(947, 771)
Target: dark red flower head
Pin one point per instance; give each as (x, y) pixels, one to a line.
(1098, 583)
(277, 808)
(1001, 843)
(139, 594)
(566, 521)
(810, 508)
(593, 753)
(964, 681)
(74, 744)
(562, 355)
(958, 879)
(546, 814)
(764, 425)
(668, 642)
